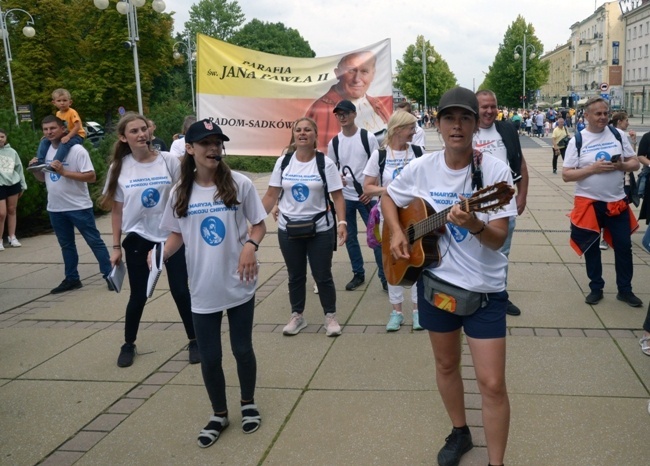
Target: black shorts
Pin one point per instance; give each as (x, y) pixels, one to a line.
(8, 191)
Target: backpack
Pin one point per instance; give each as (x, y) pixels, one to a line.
(417, 150)
(320, 163)
(364, 141)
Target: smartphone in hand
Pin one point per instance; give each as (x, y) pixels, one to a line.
(615, 158)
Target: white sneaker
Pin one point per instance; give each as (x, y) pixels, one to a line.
(603, 245)
(332, 327)
(14, 242)
(315, 288)
(295, 325)
(2, 248)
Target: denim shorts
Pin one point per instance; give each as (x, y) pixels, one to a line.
(486, 322)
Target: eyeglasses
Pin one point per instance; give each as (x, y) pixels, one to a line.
(341, 115)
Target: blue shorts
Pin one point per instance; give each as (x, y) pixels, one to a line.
(486, 322)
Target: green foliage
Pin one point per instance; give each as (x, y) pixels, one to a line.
(410, 76)
(251, 164)
(273, 38)
(169, 117)
(85, 54)
(219, 19)
(505, 75)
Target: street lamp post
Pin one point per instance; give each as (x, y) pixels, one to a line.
(524, 50)
(129, 8)
(190, 52)
(28, 31)
(427, 55)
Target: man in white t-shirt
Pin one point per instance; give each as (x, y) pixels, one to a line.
(597, 169)
(500, 139)
(350, 150)
(69, 204)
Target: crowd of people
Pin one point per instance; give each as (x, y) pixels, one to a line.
(211, 254)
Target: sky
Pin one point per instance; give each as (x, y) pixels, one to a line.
(466, 33)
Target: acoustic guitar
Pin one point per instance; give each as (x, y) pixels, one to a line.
(422, 226)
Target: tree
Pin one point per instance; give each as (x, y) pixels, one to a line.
(410, 76)
(81, 48)
(219, 19)
(505, 75)
(273, 38)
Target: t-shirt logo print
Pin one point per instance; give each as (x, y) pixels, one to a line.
(213, 231)
(300, 192)
(602, 155)
(458, 233)
(150, 198)
(55, 177)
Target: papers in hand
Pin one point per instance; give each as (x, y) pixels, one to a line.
(156, 267)
(116, 277)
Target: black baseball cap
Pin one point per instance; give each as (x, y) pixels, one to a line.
(346, 106)
(202, 129)
(459, 97)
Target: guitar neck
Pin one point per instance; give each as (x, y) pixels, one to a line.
(430, 224)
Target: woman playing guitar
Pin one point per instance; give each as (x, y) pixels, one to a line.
(469, 258)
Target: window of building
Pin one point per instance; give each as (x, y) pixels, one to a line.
(634, 33)
(645, 73)
(628, 55)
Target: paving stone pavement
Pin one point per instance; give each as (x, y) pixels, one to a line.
(579, 385)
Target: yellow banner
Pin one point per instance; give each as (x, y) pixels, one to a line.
(255, 97)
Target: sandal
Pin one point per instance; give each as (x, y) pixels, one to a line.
(211, 433)
(251, 418)
(645, 344)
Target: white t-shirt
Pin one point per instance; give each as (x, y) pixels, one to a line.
(489, 141)
(395, 163)
(214, 236)
(64, 194)
(465, 261)
(178, 147)
(419, 138)
(304, 196)
(353, 155)
(606, 187)
(144, 188)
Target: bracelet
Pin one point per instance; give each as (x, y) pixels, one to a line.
(257, 246)
(117, 247)
(480, 231)
(342, 222)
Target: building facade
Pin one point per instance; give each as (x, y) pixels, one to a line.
(636, 17)
(597, 55)
(557, 91)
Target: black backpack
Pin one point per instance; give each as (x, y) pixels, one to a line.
(364, 141)
(320, 163)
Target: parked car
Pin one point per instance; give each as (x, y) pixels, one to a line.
(94, 132)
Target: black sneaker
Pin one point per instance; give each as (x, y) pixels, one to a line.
(356, 282)
(384, 286)
(512, 310)
(456, 445)
(127, 354)
(193, 349)
(67, 285)
(629, 298)
(594, 297)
